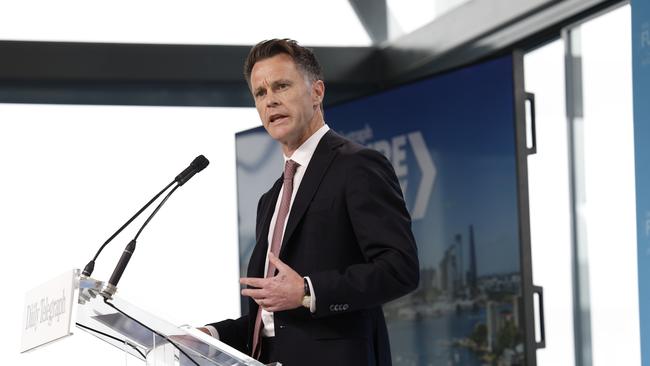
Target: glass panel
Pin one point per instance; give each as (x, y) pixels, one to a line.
(609, 188)
(149, 338)
(548, 181)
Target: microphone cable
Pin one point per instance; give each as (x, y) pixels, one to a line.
(123, 341)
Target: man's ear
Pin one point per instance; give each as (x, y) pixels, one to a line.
(317, 92)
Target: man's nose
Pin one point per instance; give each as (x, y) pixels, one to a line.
(272, 100)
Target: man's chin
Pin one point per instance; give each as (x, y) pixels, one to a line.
(278, 133)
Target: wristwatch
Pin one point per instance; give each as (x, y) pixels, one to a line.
(306, 299)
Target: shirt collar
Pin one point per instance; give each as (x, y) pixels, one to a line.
(303, 154)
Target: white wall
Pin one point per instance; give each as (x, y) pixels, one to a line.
(71, 175)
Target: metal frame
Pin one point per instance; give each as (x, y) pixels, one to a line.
(138, 74)
(521, 154)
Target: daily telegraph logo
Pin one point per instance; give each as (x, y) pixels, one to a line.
(394, 148)
(44, 311)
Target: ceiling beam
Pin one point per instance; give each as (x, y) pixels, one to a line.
(373, 15)
(105, 73)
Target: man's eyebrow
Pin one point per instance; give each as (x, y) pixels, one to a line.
(258, 90)
(282, 81)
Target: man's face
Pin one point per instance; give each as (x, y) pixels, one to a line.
(288, 104)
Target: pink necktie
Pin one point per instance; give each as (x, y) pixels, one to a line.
(276, 241)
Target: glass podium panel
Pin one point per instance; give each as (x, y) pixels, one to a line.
(148, 338)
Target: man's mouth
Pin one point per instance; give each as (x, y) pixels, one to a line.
(277, 117)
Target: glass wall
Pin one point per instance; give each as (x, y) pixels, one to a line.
(609, 190)
(582, 198)
(548, 177)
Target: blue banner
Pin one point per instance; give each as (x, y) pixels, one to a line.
(641, 72)
(451, 140)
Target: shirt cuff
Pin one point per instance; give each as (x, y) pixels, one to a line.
(312, 302)
(213, 331)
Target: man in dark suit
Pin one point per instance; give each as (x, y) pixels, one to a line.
(334, 238)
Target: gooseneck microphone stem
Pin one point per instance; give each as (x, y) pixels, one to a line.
(155, 211)
(88, 270)
(198, 164)
(111, 287)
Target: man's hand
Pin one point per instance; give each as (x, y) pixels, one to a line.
(282, 292)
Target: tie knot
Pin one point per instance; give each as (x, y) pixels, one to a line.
(290, 167)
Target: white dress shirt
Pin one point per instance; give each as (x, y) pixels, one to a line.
(302, 156)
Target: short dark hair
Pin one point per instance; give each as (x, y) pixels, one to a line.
(302, 56)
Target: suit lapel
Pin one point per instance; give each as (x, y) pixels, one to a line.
(320, 162)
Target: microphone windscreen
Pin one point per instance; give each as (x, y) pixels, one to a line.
(199, 163)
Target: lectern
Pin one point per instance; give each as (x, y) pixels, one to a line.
(146, 337)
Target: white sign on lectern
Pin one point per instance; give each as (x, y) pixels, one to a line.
(48, 311)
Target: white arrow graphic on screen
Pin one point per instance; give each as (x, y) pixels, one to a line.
(428, 169)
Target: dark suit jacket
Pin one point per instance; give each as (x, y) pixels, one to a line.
(350, 232)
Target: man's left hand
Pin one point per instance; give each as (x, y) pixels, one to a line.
(281, 292)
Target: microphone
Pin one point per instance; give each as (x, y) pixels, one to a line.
(199, 163)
